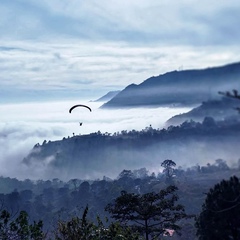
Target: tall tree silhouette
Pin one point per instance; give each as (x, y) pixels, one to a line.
(220, 215)
(150, 214)
(168, 166)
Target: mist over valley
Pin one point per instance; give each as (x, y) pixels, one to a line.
(102, 154)
(24, 125)
(91, 144)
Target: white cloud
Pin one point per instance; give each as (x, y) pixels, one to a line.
(106, 45)
(175, 22)
(83, 65)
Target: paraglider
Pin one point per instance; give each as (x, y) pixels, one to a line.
(79, 105)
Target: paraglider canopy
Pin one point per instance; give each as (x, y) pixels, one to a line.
(79, 105)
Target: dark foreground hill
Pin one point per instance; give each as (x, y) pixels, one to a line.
(96, 155)
(186, 87)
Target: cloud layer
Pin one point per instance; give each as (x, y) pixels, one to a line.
(132, 21)
(24, 125)
(91, 47)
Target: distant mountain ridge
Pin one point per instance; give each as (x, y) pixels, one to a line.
(107, 96)
(183, 88)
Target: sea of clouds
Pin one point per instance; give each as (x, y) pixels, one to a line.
(25, 124)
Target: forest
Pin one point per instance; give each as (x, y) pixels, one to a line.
(54, 200)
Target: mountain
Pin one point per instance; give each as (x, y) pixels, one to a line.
(183, 88)
(107, 96)
(222, 109)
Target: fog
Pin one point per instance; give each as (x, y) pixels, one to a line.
(26, 124)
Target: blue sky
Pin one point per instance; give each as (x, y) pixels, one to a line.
(69, 48)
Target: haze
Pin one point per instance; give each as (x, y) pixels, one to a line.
(57, 53)
(24, 125)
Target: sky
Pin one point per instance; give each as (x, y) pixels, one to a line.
(65, 49)
(54, 53)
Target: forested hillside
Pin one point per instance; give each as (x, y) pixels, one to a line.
(221, 109)
(98, 154)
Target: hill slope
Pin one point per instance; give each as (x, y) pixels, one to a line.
(95, 155)
(186, 87)
(221, 109)
(107, 96)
